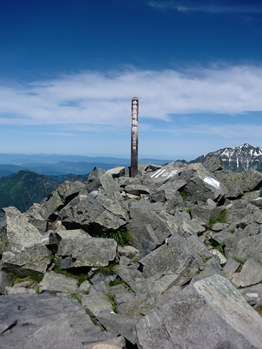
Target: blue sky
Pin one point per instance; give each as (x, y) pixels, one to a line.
(69, 68)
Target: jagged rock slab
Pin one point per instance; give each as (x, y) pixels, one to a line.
(250, 274)
(238, 183)
(246, 247)
(116, 171)
(211, 313)
(47, 322)
(176, 258)
(165, 173)
(60, 197)
(35, 218)
(149, 226)
(33, 259)
(23, 246)
(205, 212)
(18, 232)
(202, 184)
(119, 324)
(96, 210)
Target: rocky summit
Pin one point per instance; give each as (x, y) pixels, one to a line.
(171, 258)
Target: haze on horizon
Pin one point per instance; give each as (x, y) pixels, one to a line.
(69, 68)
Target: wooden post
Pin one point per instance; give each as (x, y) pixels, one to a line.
(134, 137)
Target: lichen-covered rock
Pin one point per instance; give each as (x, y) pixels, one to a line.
(32, 259)
(18, 234)
(86, 251)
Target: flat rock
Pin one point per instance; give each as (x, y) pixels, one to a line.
(57, 283)
(97, 303)
(210, 313)
(87, 251)
(32, 259)
(116, 171)
(250, 274)
(136, 189)
(48, 322)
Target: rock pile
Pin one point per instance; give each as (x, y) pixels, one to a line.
(169, 259)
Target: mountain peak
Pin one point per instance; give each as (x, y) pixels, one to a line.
(237, 159)
(245, 145)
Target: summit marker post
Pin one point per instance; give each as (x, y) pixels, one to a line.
(134, 137)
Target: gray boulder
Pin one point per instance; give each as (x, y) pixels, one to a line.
(36, 219)
(18, 234)
(93, 181)
(33, 259)
(136, 189)
(86, 251)
(5, 281)
(100, 210)
(244, 247)
(119, 324)
(48, 322)
(59, 198)
(253, 295)
(97, 303)
(24, 247)
(171, 187)
(239, 183)
(150, 225)
(250, 274)
(202, 184)
(207, 314)
(57, 283)
(176, 257)
(117, 171)
(163, 174)
(205, 213)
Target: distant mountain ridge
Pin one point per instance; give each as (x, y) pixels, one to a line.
(23, 184)
(23, 188)
(57, 165)
(237, 159)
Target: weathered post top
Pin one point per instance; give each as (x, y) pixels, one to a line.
(134, 137)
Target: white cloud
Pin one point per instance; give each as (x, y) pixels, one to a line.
(95, 99)
(206, 8)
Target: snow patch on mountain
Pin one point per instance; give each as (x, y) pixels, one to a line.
(238, 159)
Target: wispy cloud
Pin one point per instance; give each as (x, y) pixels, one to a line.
(93, 100)
(205, 8)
